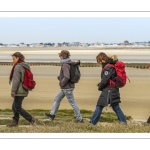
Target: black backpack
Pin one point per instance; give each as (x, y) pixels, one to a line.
(75, 72)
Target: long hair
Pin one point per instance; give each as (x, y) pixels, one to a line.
(101, 56)
(18, 55)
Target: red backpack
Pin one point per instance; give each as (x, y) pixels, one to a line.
(28, 82)
(121, 74)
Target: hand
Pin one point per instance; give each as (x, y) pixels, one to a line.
(12, 95)
(58, 77)
(10, 82)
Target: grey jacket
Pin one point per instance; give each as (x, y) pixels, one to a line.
(17, 80)
(65, 76)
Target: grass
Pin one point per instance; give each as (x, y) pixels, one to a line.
(64, 123)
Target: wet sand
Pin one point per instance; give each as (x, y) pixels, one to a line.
(135, 96)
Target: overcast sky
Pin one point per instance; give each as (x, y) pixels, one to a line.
(71, 29)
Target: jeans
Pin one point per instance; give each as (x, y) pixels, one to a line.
(69, 94)
(96, 116)
(18, 110)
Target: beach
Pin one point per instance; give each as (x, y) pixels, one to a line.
(86, 54)
(135, 96)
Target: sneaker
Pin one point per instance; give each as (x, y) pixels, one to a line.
(78, 121)
(33, 121)
(148, 120)
(51, 117)
(14, 123)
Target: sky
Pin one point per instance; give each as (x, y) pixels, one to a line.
(73, 29)
(60, 21)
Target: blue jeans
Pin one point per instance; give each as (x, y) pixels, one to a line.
(69, 94)
(96, 116)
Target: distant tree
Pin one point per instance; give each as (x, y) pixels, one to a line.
(41, 43)
(22, 43)
(126, 42)
(1, 44)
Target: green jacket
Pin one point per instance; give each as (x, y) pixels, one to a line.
(17, 80)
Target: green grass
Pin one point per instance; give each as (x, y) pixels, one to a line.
(64, 123)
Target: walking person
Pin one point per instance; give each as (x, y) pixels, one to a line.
(148, 120)
(18, 93)
(109, 92)
(66, 88)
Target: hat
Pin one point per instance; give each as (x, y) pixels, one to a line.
(64, 54)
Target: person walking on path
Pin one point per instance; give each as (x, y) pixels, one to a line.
(66, 88)
(18, 93)
(109, 93)
(148, 120)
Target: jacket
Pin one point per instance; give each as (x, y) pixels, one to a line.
(17, 80)
(64, 76)
(110, 94)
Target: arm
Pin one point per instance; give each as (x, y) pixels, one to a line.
(66, 74)
(105, 78)
(16, 80)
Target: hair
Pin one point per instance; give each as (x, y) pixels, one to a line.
(18, 55)
(64, 54)
(101, 56)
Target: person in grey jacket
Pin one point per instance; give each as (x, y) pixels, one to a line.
(18, 93)
(66, 88)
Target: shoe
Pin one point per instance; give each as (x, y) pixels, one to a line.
(51, 117)
(14, 123)
(90, 124)
(33, 121)
(148, 120)
(78, 121)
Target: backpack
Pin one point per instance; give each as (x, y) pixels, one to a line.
(75, 72)
(28, 82)
(121, 74)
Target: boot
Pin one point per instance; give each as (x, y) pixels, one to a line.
(148, 120)
(14, 123)
(33, 121)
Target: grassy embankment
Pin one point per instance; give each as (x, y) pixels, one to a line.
(64, 123)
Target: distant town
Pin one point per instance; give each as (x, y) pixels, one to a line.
(77, 44)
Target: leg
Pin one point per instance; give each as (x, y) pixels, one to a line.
(57, 101)
(16, 114)
(94, 119)
(17, 107)
(71, 100)
(116, 108)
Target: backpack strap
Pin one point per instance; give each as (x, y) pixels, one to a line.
(107, 66)
(111, 82)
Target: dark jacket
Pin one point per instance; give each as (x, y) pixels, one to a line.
(110, 94)
(17, 80)
(65, 76)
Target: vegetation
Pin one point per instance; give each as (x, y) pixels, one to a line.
(133, 65)
(64, 123)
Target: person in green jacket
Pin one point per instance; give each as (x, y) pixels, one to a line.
(18, 93)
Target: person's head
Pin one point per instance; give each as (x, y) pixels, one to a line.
(16, 56)
(149, 66)
(64, 54)
(101, 57)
